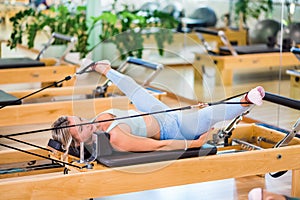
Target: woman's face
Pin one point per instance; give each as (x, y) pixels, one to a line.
(81, 133)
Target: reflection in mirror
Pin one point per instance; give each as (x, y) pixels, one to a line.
(91, 145)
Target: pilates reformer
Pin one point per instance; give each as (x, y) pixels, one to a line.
(99, 173)
(296, 51)
(44, 70)
(229, 57)
(130, 171)
(294, 77)
(58, 101)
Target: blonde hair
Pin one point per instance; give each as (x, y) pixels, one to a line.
(63, 135)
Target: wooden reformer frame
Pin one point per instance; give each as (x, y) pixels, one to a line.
(227, 64)
(36, 112)
(103, 181)
(45, 74)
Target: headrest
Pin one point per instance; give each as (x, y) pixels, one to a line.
(104, 147)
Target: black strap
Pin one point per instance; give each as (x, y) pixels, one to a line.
(38, 155)
(33, 93)
(277, 174)
(132, 116)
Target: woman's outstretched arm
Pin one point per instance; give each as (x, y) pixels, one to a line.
(122, 140)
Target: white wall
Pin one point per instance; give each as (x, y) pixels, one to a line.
(220, 7)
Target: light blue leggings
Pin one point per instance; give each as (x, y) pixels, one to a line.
(186, 124)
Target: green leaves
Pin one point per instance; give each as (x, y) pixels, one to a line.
(58, 19)
(106, 17)
(19, 28)
(252, 8)
(127, 29)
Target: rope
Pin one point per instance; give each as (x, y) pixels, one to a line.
(38, 155)
(23, 142)
(199, 105)
(33, 93)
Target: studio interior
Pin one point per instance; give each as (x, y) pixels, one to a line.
(162, 99)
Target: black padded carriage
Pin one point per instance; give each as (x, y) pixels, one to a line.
(249, 49)
(230, 49)
(109, 157)
(8, 99)
(7, 63)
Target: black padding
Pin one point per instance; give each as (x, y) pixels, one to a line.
(8, 99)
(112, 158)
(207, 31)
(281, 100)
(72, 151)
(55, 145)
(6, 63)
(105, 148)
(133, 158)
(249, 49)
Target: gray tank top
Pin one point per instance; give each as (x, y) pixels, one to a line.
(136, 124)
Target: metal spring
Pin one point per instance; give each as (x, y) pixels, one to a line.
(247, 145)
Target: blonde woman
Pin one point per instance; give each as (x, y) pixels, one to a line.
(164, 131)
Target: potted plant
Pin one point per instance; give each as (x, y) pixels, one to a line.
(60, 19)
(128, 29)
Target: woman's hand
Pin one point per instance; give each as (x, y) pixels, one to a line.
(102, 67)
(202, 139)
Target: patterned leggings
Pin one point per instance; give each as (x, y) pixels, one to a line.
(186, 124)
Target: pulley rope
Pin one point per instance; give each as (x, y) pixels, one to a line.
(134, 116)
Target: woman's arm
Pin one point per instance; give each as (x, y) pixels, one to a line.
(122, 140)
(183, 144)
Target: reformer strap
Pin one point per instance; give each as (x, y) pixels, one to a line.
(48, 129)
(38, 155)
(23, 142)
(139, 115)
(33, 93)
(199, 105)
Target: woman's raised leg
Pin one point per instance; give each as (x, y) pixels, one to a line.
(139, 96)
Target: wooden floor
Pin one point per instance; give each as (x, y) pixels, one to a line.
(223, 189)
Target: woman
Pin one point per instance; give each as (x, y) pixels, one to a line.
(164, 131)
